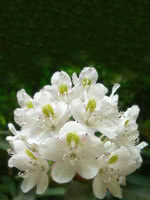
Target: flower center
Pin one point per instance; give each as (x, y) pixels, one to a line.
(73, 139)
(86, 82)
(91, 105)
(113, 159)
(29, 105)
(63, 89)
(48, 111)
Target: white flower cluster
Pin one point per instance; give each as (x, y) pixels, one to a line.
(58, 139)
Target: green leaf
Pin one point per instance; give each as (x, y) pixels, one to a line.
(55, 192)
(139, 180)
(4, 145)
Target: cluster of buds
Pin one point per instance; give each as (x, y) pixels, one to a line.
(72, 127)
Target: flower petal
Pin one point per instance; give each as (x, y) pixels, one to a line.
(20, 161)
(115, 88)
(42, 98)
(29, 182)
(124, 163)
(78, 110)
(23, 98)
(20, 116)
(59, 78)
(99, 188)
(71, 127)
(12, 129)
(132, 113)
(62, 113)
(63, 172)
(42, 183)
(142, 145)
(75, 79)
(97, 91)
(114, 188)
(91, 146)
(52, 149)
(89, 73)
(87, 168)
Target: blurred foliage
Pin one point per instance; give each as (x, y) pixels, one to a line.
(39, 38)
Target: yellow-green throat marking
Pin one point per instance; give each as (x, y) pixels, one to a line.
(73, 137)
(86, 82)
(30, 154)
(29, 105)
(126, 122)
(48, 111)
(63, 89)
(91, 105)
(113, 159)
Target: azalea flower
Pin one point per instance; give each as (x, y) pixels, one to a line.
(52, 114)
(60, 125)
(61, 87)
(74, 151)
(129, 134)
(87, 77)
(24, 115)
(62, 82)
(111, 168)
(86, 110)
(33, 168)
(96, 112)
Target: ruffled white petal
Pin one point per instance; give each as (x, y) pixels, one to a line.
(59, 78)
(52, 149)
(75, 79)
(19, 146)
(97, 91)
(75, 93)
(12, 129)
(71, 127)
(89, 73)
(114, 188)
(20, 116)
(142, 145)
(99, 188)
(29, 182)
(62, 113)
(42, 183)
(87, 168)
(123, 162)
(23, 98)
(78, 110)
(115, 88)
(132, 112)
(42, 98)
(91, 147)
(63, 172)
(20, 161)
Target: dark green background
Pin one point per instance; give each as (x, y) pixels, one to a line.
(38, 38)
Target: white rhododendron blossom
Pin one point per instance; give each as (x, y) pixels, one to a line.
(32, 167)
(73, 128)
